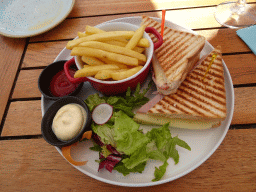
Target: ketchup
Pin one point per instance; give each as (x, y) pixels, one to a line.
(60, 85)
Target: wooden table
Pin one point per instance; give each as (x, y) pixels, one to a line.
(28, 163)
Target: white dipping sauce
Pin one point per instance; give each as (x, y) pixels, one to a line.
(69, 121)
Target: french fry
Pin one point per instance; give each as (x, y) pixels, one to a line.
(120, 65)
(92, 70)
(91, 60)
(136, 37)
(123, 44)
(92, 30)
(80, 34)
(106, 74)
(143, 43)
(125, 74)
(86, 51)
(107, 61)
(100, 36)
(113, 49)
(139, 49)
(142, 63)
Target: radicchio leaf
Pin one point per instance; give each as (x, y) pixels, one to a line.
(110, 162)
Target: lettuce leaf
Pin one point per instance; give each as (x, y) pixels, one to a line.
(154, 153)
(121, 168)
(93, 100)
(105, 132)
(138, 157)
(181, 143)
(127, 136)
(96, 147)
(159, 172)
(161, 136)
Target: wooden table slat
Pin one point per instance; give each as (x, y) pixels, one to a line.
(23, 118)
(10, 54)
(27, 84)
(88, 7)
(42, 54)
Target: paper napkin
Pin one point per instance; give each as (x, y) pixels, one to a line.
(248, 35)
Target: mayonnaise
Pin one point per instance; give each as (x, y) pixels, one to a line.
(69, 121)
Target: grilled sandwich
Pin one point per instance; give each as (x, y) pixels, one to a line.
(176, 57)
(199, 103)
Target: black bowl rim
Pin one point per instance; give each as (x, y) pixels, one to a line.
(51, 112)
(53, 97)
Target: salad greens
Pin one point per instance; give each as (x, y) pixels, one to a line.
(119, 103)
(121, 137)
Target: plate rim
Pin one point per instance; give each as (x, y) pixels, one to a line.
(197, 164)
(42, 30)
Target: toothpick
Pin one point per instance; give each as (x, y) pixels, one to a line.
(162, 23)
(209, 66)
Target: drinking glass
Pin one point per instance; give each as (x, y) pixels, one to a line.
(235, 14)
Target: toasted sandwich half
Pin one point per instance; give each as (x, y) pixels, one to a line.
(175, 58)
(199, 103)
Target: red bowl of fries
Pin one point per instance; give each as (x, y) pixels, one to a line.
(108, 64)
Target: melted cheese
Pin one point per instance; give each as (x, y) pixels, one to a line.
(178, 123)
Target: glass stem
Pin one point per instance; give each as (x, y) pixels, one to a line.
(241, 2)
(239, 7)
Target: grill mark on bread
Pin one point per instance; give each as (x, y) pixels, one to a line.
(213, 70)
(181, 104)
(163, 102)
(196, 106)
(201, 97)
(200, 76)
(204, 90)
(179, 48)
(176, 60)
(216, 67)
(166, 47)
(211, 96)
(218, 90)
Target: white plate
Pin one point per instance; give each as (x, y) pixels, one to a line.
(20, 18)
(202, 142)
